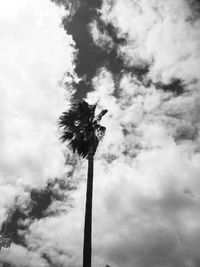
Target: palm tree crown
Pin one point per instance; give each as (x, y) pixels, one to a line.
(81, 127)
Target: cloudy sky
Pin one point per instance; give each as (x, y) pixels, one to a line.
(141, 60)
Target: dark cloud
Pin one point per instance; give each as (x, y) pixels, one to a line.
(189, 132)
(176, 86)
(40, 200)
(11, 226)
(36, 207)
(90, 56)
(48, 259)
(195, 7)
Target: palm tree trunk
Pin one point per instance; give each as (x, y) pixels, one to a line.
(87, 246)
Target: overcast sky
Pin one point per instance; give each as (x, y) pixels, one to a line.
(141, 60)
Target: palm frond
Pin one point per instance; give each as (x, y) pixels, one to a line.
(101, 114)
(100, 132)
(77, 125)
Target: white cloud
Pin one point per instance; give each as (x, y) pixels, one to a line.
(20, 256)
(146, 184)
(146, 192)
(160, 34)
(35, 52)
(101, 39)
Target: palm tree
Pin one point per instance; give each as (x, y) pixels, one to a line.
(83, 132)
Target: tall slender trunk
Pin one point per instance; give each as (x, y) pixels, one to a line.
(87, 246)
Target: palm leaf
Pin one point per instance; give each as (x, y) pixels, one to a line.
(101, 114)
(77, 125)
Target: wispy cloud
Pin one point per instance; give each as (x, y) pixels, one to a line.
(146, 186)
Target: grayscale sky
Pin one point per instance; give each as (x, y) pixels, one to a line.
(141, 60)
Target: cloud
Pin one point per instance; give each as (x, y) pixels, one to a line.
(33, 62)
(96, 43)
(20, 256)
(146, 217)
(146, 192)
(162, 35)
(146, 183)
(35, 55)
(101, 39)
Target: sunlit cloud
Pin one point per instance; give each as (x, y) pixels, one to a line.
(146, 178)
